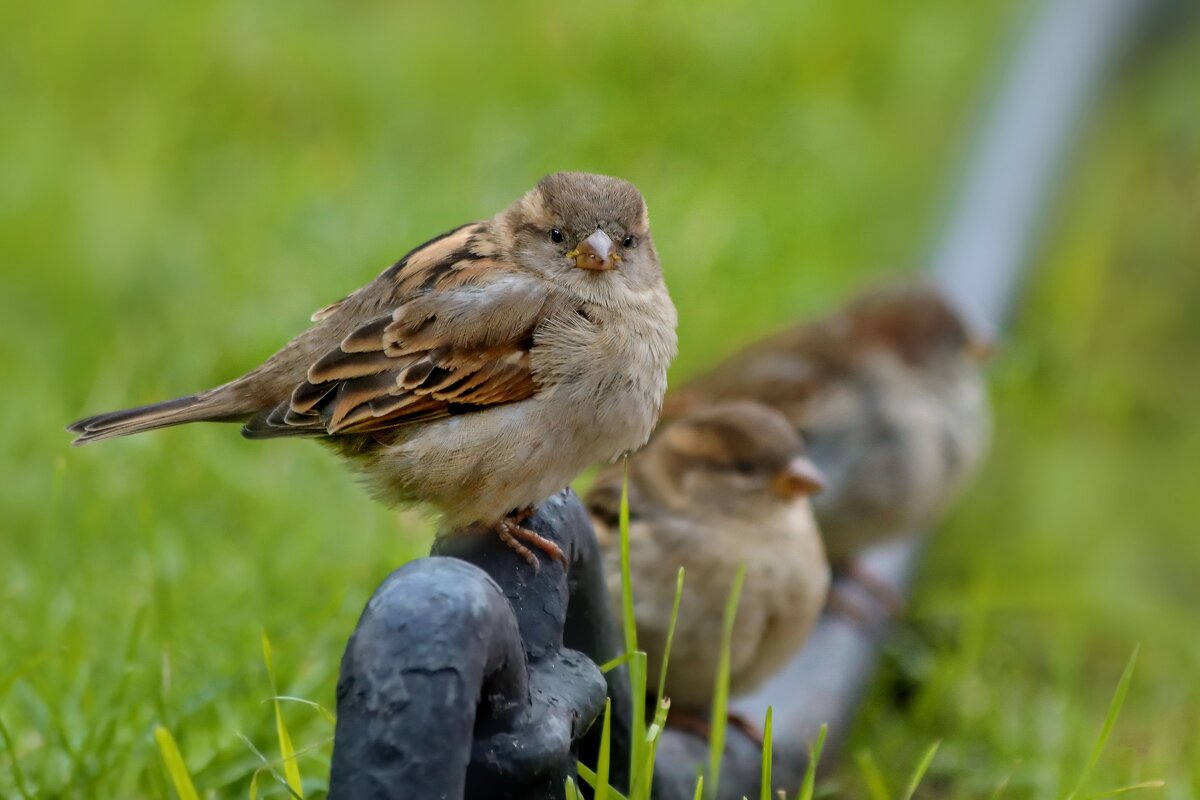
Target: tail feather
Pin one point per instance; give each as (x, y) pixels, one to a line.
(214, 406)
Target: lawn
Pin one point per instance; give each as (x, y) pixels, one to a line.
(185, 182)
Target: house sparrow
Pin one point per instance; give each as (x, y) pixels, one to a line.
(481, 372)
(888, 393)
(719, 487)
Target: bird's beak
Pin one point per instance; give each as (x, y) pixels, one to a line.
(595, 253)
(800, 478)
(981, 349)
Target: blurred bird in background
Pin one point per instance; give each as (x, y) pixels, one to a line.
(721, 486)
(889, 394)
(480, 373)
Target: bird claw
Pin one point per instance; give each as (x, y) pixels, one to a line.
(517, 537)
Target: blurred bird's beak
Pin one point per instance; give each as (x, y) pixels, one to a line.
(595, 253)
(801, 478)
(980, 349)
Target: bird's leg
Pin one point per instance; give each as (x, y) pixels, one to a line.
(885, 593)
(847, 603)
(752, 731)
(841, 604)
(689, 722)
(700, 727)
(517, 537)
(521, 514)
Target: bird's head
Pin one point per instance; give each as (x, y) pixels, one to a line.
(588, 233)
(918, 324)
(736, 458)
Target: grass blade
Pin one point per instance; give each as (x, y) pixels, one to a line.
(325, 713)
(637, 687)
(699, 788)
(1110, 722)
(1001, 787)
(572, 793)
(920, 770)
(609, 666)
(590, 779)
(637, 678)
(814, 757)
(642, 777)
(11, 750)
(720, 706)
(1136, 787)
(173, 761)
(662, 673)
(643, 782)
(266, 766)
(872, 777)
(628, 618)
(291, 767)
(764, 782)
(602, 765)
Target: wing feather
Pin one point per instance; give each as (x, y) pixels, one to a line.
(457, 339)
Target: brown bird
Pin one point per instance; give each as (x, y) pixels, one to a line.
(478, 374)
(719, 487)
(890, 396)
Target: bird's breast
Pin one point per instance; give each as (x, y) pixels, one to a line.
(609, 369)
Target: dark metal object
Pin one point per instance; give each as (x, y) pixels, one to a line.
(456, 682)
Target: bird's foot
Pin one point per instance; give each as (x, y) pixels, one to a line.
(517, 537)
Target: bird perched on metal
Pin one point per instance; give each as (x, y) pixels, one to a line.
(890, 396)
(717, 488)
(480, 373)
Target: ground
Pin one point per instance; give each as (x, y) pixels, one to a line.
(184, 183)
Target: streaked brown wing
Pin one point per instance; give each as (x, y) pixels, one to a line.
(457, 340)
(355, 390)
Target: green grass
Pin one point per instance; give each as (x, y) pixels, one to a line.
(184, 183)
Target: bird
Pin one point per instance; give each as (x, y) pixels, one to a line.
(480, 373)
(888, 392)
(719, 487)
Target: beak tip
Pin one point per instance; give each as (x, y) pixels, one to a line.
(596, 252)
(981, 349)
(801, 478)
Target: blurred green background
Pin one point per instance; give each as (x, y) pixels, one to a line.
(185, 182)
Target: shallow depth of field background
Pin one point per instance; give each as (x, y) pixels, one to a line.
(183, 183)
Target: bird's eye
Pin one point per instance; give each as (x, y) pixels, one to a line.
(744, 467)
(629, 241)
(556, 236)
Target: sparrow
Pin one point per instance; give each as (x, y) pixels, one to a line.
(889, 394)
(481, 372)
(720, 487)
